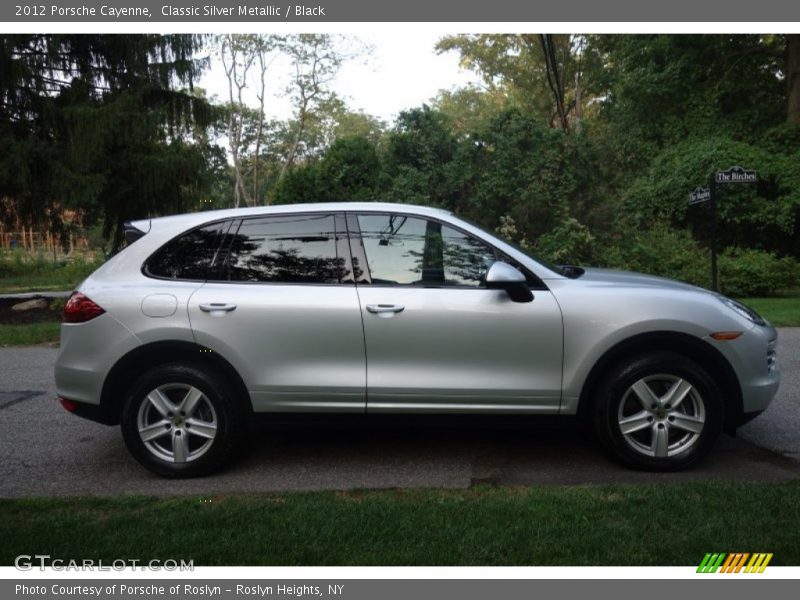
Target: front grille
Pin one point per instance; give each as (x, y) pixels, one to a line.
(771, 358)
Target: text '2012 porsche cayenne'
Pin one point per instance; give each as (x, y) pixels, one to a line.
(207, 321)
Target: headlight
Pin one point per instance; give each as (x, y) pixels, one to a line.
(745, 311)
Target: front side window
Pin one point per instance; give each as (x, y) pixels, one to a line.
(189, 256)
(286, 249)
(404, 250)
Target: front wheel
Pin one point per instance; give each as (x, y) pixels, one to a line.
(180, 421)
(660, 412)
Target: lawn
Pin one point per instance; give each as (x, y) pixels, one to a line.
(781, 311)
(603, 525)
(30, 333)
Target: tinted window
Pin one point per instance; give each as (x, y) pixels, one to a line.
(287, 249)
(413, 251)
(188, 256)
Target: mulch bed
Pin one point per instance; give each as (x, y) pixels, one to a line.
(37, 315)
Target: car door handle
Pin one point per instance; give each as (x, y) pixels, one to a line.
(217, 307)
(385, 308)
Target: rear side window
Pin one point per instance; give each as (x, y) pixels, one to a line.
(287, 249)
(188, 256)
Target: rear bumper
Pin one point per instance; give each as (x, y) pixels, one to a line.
(91, 412)
(88, 351)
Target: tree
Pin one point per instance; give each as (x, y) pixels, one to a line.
(419, 158)
(545, 181)
(263, 150)
(539, 73)
(350, 170)
(315, 61)
(793, 77)
(239, 54)
(103, 124)
(661, 89)
(470, 108)
(763, 216)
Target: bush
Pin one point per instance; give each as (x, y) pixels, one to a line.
(570, 242)
(675, 254)
(660, 251)
(748, 272)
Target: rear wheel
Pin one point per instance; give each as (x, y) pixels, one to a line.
(660, 412)
(180, 421)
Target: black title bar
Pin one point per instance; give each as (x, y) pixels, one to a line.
(157, 11)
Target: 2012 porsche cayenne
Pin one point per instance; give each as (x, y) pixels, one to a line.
(208, 321)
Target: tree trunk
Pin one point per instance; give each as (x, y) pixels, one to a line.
(260, 130)
(793, 77)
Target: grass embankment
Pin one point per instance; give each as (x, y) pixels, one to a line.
(21, 272)
(28, 334)
(604, 525)
(24, 272)
(781, 311)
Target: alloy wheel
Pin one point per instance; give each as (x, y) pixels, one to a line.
(661, 416)
(177, 423)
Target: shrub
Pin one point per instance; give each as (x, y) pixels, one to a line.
(660, 251)
(749, 272)
(569, 242)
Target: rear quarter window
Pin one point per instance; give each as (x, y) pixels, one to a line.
(188, 256)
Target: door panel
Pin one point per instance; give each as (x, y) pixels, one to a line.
(436, 339)
(286, 314)
(458, 350)
(297, 347)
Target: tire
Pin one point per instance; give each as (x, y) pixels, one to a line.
(181, 421)
(658, 412)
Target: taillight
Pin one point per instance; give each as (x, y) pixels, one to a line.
(80, 308)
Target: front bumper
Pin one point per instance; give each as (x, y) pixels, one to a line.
(752, 357)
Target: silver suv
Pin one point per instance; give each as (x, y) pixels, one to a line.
(209, 322)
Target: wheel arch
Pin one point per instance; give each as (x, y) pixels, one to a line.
(134, 363)
(708, 357)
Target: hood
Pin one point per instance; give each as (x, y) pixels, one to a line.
(614, 278)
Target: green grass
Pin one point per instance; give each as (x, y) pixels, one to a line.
(22, 272)
(603, 525)
(781, 311)
(33, 333)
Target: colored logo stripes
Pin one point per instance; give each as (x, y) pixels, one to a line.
(735, 562)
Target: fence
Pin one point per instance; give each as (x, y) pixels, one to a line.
(38, 241)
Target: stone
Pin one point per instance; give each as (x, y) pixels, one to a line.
(32, 304)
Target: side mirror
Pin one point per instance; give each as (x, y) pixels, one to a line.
(502, 276)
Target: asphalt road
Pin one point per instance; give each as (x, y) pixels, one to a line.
(46, 451)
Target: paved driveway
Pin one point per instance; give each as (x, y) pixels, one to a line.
(46, 451)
